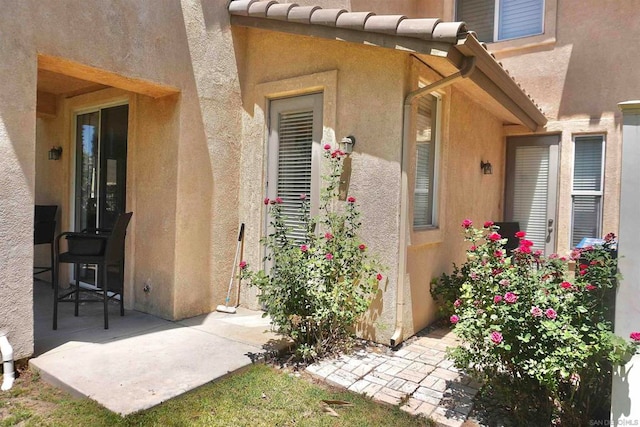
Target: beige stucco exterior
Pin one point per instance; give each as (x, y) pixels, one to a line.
(198, 91)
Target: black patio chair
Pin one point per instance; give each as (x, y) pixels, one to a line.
(102, 248)
(509, 230)
(44, 232)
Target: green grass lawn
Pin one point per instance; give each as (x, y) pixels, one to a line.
(258, 396)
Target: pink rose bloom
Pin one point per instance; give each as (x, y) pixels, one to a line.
(583, 266)
(379, 277)
(590, 287)
(510, 297)
(473, 248)
(454, 319)
(497, 299)
(498, 254)
(525, 249)
(266, 200)
(635, 336)
(494, 237)
(488, 224)
(457, 303)
(536, 311)
(496, 337)
(351, 199)
(278, 200)
(565, 285)
(327, 147)
(583, 272)
(467, 223)
(242, 264)
(329, 257)
(520, 234)
(362, 247)
(328, 236)
(550, 313)
(525, 242)
(505, 282)
(538, 253)
(303, 197)
(304, 248)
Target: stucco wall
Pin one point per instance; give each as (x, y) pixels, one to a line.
(184, 149)
(363, 89)
(469, 134)
(578, 81)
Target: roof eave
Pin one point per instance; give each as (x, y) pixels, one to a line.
(407, 44)
(495, 80)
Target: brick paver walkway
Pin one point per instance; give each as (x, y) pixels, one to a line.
(418, 377)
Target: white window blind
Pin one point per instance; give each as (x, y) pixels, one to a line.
(520, 18)
(295, 131)
(423, 195)
(294, 166)
(587, 187)
(531, 181)
(479, 16)
(514, 18)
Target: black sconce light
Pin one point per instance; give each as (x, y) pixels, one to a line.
(55, 153)
(347, 143)
(486, 167)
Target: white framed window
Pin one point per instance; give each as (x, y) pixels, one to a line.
(498, 20)
(587, 187)
(294, 136)
(426, 162)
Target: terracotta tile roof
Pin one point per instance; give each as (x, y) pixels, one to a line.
(432, 30)
(400, 25)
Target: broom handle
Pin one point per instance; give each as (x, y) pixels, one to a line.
(235, 263)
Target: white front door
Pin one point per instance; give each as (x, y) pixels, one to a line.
(532, 187)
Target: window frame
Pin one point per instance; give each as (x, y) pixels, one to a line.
(435, 162)
(547, 35)
(596, 193)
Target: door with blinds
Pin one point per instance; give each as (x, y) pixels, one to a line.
(532, 186)
(295, 133)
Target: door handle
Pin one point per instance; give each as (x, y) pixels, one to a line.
(549, 230)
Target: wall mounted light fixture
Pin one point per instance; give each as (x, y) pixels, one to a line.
(55, 153)
(486, 167)
(347, 143)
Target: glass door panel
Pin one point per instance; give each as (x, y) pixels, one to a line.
(101, 170)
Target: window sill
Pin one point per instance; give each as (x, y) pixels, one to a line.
(521, 46)
(426, 236)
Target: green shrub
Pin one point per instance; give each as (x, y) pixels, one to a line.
(533, 330)
(317, 287)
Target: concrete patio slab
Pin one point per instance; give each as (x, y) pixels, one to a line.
(142, 360)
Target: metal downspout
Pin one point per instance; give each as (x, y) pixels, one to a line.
(466, 70)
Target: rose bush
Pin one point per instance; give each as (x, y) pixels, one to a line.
(318, 287)
(532, 329)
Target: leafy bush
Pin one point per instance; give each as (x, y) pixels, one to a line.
(317, 287)
(533, 330)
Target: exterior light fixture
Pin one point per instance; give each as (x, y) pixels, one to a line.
(55, 153)
(486, 167)
(347, 143)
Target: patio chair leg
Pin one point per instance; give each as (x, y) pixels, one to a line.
(53, 273)
(105, 292)
(122, 288)
(77, 290)
(55, 297)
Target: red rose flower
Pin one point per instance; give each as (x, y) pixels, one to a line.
(379, 277)
(467, 223)
(520, 234)
(242, 264)
(351, 199)
(304, 248)
(329, 256)
(266, 200)
(496, 337)
(565, 285)
(590, 287)
(497, 299)
(362, 247)
(494, 237)
(278, 200)
(488, 224)
(327, 147)
(635, 336)
(328, 236)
